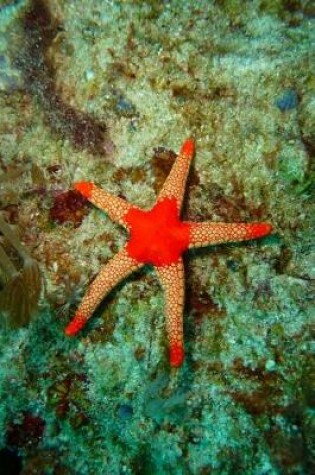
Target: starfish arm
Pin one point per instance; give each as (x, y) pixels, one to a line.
(114, 206)
(207, 233)
(172, 280)
(175, 183)
(113, 272)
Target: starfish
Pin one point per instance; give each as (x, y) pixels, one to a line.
(158, 237)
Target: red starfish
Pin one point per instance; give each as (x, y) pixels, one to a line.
(157, 237)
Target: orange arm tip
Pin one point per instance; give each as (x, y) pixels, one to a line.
(85, 188)
(75, 325)
(258, 230)
(176, 355)
(188, 148)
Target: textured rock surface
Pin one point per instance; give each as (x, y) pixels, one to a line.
(104, 91)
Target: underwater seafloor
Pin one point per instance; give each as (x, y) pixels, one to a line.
(107, 91)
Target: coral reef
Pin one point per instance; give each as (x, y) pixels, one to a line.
(97, 91)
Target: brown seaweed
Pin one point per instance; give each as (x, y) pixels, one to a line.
(20, 294)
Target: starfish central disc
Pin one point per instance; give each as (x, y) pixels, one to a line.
(157, 236)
